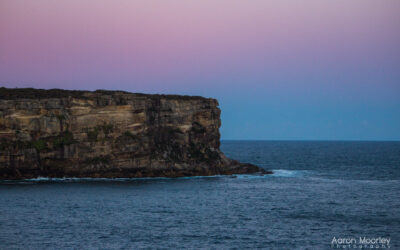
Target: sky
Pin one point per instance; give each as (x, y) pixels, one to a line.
(281, 69)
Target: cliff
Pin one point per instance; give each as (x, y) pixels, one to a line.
(61, 133)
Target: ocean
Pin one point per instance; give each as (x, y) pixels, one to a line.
(322, 195)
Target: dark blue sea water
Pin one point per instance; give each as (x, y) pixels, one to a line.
(320, 190)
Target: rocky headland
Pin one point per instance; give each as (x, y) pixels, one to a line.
(64, 133)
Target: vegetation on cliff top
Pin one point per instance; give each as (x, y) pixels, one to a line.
(32, 93)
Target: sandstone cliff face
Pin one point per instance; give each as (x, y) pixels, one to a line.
(59, 133)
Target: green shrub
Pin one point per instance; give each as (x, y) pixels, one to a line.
(92, 134)
(107, 128)
(129, 134)
(39, 145)
(65, 138)
(61, 117)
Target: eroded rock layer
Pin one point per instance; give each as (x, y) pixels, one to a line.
(61, 133)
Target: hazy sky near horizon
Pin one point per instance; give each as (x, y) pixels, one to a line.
(281, 69)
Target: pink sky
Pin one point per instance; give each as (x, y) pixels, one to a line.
(46, 42)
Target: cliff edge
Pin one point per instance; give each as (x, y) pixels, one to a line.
(63, 133)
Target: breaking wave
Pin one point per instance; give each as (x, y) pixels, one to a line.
(276, 173)
(289, 173)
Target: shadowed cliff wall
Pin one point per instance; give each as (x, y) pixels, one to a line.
(61, 133)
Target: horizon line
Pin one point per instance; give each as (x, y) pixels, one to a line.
(313, 140)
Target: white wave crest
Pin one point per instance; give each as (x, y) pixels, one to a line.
(289, 173)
